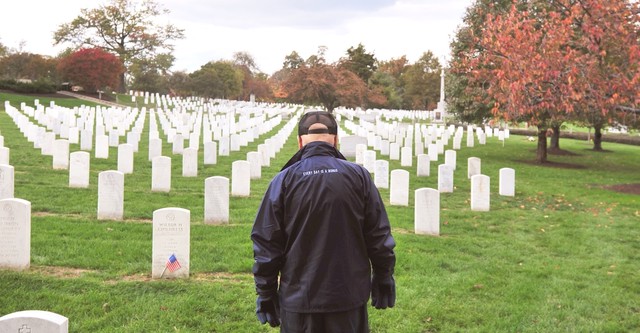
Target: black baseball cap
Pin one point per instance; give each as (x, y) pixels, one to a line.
(314, 117)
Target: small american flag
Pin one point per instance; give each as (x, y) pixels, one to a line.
(172, 263)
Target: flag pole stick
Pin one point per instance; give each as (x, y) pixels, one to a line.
(164, 270)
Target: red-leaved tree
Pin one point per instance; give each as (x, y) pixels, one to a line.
(328, 85)
(545, 62)
(94, 69)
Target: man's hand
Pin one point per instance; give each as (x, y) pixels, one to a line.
(268, 310)
(383, 292)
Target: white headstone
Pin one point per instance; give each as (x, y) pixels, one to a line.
(4, 155)
(360, 149)
(74, 135)
(102, 146)
(223, 146)
(171, 243)
(34, 321)
(125, 158)
(433, 151)
(216, 200)
(445, 178)
(190, 162)
(79, 162)
(133, 138)
(349, 143)
(470, 138)
(114, 138)
(110, 195)
(427, 211)
(240, 179)
(61, 154)
(161, 174)
(86, 140)
(424, 165)
(406, 157)
(507, 182)
(457, 141)
(369, 161)
(264, 151)
(480, 194)
(450, 158)
(234, 142)
(7, 182)
(155, 148)
(473, 167)
(394, 151)
(210, 153)
(381, 174)
(419, 148)
(15, 230)
(178, 144)
(46, 145)
(399, 187)
(255, 164)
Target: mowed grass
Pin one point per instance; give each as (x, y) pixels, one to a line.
(563, 255)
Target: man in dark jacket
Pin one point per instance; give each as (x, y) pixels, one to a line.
(322, 228)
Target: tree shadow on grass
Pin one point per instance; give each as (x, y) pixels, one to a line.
(551, 164)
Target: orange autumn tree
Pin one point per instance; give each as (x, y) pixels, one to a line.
(539, 63)
(94, 69)
(327, 85)
(608, 32)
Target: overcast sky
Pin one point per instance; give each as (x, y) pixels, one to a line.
(268, 30)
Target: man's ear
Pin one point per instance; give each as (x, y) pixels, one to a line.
(335, 141)
(299, 142)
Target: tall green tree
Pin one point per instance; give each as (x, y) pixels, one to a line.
(220, 79)
(359, 61)
(293, 61)
(388, 79)
(126, 28)
(152, 74)
(421, 82)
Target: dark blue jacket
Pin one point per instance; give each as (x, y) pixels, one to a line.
(322, 226)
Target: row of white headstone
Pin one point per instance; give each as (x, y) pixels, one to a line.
(6, 172)
(111, 182)
(427, 203)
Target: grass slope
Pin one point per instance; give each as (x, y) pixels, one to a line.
(563, 255)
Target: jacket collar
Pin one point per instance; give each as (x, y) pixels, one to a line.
(313, 149)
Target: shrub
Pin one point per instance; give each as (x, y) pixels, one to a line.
(35, 87)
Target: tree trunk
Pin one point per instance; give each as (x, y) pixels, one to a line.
(555, 138)
(541, 152)
(123, 84)
(597, 138)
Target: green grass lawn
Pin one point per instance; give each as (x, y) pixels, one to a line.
(563, 255)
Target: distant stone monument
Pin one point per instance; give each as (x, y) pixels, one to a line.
(441, 111)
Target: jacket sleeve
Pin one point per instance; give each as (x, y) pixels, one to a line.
(377, 232)
(268, 240)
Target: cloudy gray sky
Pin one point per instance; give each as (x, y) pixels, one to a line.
(266, 29)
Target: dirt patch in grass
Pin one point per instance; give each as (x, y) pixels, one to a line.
(207, 277)
(60, 272)
(624, 188)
